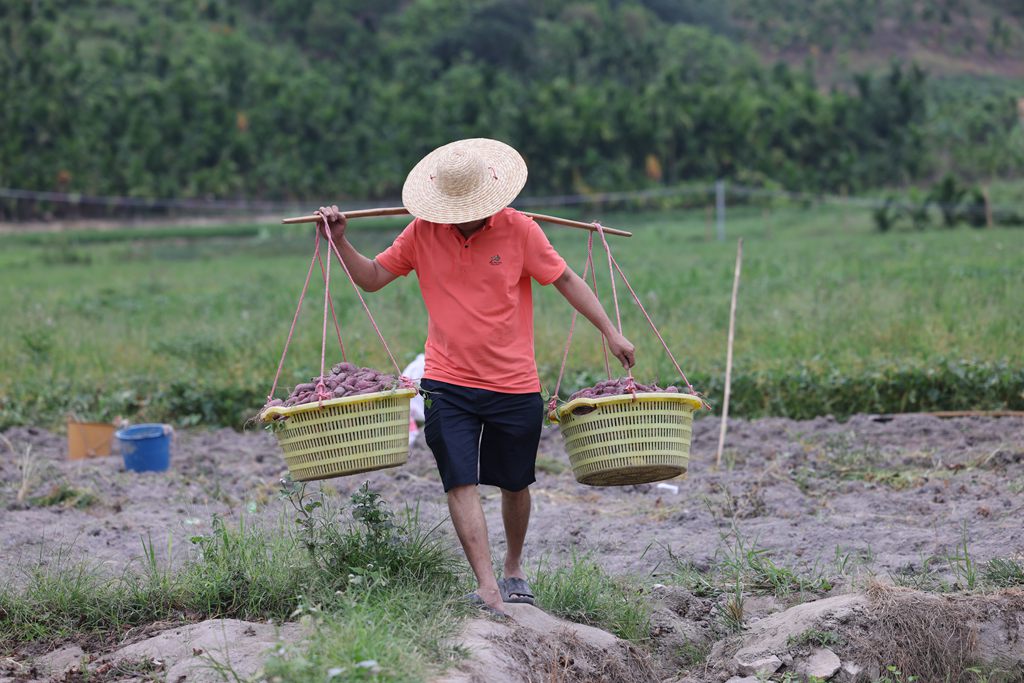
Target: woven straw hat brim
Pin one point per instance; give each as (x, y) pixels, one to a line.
(464, 181)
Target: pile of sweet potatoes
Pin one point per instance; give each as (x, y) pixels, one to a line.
(618, 386)
(345, 379)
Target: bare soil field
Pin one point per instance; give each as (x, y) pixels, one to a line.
(891, 497)
(891, 490)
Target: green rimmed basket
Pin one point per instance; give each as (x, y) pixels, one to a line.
(343, 436)
(628, 439)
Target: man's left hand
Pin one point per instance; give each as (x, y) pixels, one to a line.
(622, 349)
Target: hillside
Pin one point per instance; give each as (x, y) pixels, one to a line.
(947, 38)
(298, 98)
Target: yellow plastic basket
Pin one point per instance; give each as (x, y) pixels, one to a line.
(628, 440)
(343, 436)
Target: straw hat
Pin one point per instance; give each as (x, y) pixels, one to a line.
(464, 181)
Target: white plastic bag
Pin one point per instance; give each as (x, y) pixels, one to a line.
(414, 371)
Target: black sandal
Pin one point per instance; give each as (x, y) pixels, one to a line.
(516, 590)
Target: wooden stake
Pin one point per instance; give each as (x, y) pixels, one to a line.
(402, 211)
(988, 207)
(728, 352)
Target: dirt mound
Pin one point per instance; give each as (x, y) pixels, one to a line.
(858, 636)
(211, 651)
(535, 647)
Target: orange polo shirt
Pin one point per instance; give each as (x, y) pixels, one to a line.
(478, 297)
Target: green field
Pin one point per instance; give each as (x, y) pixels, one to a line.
(187, 324)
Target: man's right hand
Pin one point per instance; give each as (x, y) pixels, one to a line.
(335, 219)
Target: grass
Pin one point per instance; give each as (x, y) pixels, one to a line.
(377, 588)
(65, 496)
(740, 569)
(815, 638)
(582, 592)
(1004, 573)
(187, 324)
(385, 637)
(960, 571)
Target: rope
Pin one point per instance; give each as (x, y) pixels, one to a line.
(321, 388)
(593, 278)
(631, 384)
(334, 315)
(552, 404)
(398, 370)
(291, 330)
(613, 267)
(653, 327)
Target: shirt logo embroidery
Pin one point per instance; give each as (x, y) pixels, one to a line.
(496, 260)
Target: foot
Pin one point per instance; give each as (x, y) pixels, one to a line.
(491, 597)
(488, 608)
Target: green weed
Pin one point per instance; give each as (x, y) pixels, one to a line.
(66, 496)
(374, 636)
(1003, 573)
(582, 592)
(816, 638)
(962, 565)
(743, 567)
(731, 610)
(894, 675)
(745, 562)
(693, 654)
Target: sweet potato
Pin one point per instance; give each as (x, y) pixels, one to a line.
(616, 387)
(345, 379)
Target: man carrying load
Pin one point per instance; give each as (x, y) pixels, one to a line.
(475, 257)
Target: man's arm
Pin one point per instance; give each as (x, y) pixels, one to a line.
(577, 293)
(367, 273)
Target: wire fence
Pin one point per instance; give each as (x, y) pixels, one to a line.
(34, 209)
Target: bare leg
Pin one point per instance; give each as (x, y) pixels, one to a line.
(471, 526)
(515, 513)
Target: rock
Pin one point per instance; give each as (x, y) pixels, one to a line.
(849, 672)
(773, 634)
(745, 679)
(59, 662)
(532, 640)
(821, 663)
(192, 653)
(763, 665)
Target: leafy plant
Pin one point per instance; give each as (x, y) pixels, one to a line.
(886, 215)
(947, 195)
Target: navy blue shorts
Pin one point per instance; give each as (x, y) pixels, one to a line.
(482, 437)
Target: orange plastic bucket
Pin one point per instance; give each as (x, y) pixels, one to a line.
(89, 439)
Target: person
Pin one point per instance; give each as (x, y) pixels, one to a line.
(475, 258)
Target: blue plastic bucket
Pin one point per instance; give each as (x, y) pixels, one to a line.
(145, 447)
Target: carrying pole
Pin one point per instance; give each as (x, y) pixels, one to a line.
(402, 211)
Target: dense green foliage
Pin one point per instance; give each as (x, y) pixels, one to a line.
(306, 98)
(973, 126)
(832, 317)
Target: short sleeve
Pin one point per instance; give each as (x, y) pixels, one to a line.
(400, 257)
(541, 261)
